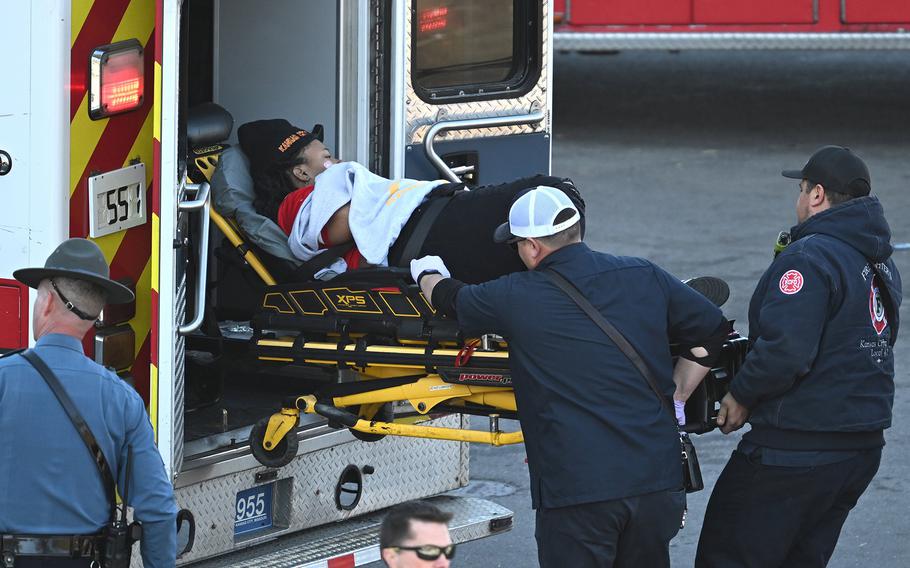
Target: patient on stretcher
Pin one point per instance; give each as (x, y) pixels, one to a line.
(341, 216)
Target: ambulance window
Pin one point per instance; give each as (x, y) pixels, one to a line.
(474, 49)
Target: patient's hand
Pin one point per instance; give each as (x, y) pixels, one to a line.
(339, 231)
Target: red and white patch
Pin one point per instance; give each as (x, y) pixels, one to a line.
(877, 309)
(791, 282)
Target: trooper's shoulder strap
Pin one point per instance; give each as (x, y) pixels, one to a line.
(79, 423)
(11, 352)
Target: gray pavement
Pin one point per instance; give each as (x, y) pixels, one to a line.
(678, 156)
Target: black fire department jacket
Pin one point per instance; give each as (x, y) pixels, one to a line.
(820, 374)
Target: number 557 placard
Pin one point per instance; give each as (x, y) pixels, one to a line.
(116, 200)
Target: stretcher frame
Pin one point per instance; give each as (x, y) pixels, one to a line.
(397, 387)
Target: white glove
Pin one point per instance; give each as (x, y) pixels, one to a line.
(680, 407)
(428, 264)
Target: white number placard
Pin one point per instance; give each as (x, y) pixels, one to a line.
(116, 200)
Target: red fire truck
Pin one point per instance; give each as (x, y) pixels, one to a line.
(609, 25)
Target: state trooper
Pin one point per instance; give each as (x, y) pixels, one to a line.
(54, 507)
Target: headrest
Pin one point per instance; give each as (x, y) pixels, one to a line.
(233, 193)
(208, 124)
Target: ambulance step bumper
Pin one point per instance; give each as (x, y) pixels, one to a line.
(355, 542)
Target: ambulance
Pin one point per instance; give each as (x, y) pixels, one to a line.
(98, 139)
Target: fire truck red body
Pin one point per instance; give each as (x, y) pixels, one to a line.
(599, 25)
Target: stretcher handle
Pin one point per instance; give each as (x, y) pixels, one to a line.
(532, 117)
(201, 202)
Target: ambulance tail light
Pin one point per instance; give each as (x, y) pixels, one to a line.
(115, 347)
(117, 79)
(114, 314)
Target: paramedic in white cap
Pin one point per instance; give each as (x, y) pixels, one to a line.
(603, 451)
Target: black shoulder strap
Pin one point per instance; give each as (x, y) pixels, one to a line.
(10, 353)
(422, 229)
(309, 268)
(614, 334)
(84, 431)
(891, 311)
(328, 256)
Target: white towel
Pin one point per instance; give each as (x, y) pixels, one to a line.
(379, 209)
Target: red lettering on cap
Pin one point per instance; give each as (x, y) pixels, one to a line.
(791, 282)
(289, 141)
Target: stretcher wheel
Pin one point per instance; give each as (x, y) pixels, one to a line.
(283, 452)
(385, 414)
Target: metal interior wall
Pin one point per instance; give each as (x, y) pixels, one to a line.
(420, 115)
(277, 59)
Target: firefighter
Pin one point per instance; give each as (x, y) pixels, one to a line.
(818, 384)
(603, 449)
(50, 486)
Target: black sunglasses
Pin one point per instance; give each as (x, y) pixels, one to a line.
(514, 242)
(430, 551)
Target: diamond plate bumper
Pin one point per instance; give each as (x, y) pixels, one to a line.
(358, 538)
(401, 469)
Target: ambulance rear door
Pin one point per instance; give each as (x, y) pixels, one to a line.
(469, 90)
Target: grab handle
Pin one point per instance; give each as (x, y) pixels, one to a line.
(469, 123)
(200, 202)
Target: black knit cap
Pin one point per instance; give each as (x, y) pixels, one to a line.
(266, 142)
(837, 169)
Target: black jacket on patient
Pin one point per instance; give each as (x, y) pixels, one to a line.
(462, 233)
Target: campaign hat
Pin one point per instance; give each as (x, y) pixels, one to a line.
(80, 259)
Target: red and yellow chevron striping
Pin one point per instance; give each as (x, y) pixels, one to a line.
(112, 143)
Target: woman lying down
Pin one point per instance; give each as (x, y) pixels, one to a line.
(320, 203)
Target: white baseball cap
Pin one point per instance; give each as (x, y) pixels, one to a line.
(534, 214)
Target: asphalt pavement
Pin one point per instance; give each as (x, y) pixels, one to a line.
(679, 156)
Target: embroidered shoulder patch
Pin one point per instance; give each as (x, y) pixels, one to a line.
(877, 309)
(791, 282)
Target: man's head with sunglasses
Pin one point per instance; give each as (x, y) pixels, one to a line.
(416, 534)
(541, 220)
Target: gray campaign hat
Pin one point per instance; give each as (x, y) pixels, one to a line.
(80, 259)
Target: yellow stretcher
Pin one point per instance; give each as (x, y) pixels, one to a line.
(410, 363)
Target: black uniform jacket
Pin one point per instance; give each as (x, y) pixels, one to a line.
(820, 374)
(594, 430)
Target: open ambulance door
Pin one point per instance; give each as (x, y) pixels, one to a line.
(470, 90)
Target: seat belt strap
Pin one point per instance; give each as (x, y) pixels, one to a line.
(422, 229)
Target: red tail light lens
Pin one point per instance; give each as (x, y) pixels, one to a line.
(117, 79)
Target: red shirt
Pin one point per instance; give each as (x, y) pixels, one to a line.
(287, 212)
